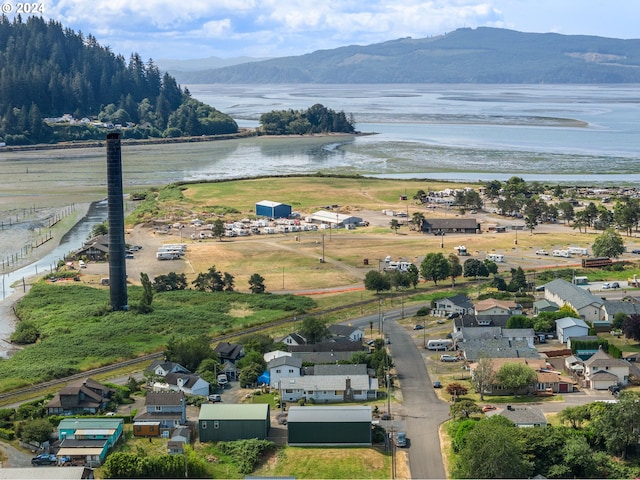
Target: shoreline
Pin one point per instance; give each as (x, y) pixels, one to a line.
(8, 318)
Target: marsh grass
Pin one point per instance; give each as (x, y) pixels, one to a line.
(78, 331)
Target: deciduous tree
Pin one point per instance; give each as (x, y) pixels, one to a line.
(608, 244)
(435, 267)
(515, 377)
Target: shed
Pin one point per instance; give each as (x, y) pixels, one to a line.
(329, 426)
(267, 208)
(146, 429)
(227, 422)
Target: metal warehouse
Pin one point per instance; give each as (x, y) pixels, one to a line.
(267, 208)
(323, 216)
(325, 426)
(218, 422)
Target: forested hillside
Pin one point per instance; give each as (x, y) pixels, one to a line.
(47, 71)
(481, 55)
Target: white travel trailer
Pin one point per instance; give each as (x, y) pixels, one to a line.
(561, 253)
(495, 257)
(440, 344)
(578, 251)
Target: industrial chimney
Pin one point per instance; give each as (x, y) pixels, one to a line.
(115, 203)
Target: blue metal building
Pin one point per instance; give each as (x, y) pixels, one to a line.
(267, 208)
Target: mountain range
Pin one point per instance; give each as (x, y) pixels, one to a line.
(481, 55)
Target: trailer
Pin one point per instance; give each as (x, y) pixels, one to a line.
(596, 262)
(495, 257)
(440, 344)
(578, 251)
(462, 251)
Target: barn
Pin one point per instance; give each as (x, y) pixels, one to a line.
(267, 208)
(329, 426)
(324, 216)
(227, 422)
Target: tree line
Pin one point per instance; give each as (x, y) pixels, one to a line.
(47, 71)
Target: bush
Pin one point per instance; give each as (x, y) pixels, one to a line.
(6, 434)
(423, 312)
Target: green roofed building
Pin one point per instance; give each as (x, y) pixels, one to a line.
(227, 422)
(328, 426)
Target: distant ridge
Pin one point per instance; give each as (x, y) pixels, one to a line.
(481, 55)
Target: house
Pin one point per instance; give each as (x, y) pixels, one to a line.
(87, 441)
(168, 408)
(611, 307)
(162, 368)
(474, 321)
(227, 422)
(526, 334)
(353, 334)
(602, 371)
(460, 304)
(293, 339)
(275, 354)
(329, 388)
(537, 364)
(189, 383)
(180, 437)
(568, 327)
(450, 225)
(474, 350)
(522, 416)
(544, 305)
(329, 426)
(492, 306)
(231, 352)
(282, 368)
(80, 397)
(551, 381)
(561, 292)
(96, 248)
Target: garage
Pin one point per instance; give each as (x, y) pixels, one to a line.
(329, 426)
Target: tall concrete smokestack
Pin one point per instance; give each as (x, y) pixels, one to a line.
(117, 265)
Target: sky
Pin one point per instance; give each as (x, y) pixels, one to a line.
(191, 29)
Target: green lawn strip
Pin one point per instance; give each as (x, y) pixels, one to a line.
(308, 462)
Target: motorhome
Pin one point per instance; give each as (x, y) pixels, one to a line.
(440, 344)
(495, 257)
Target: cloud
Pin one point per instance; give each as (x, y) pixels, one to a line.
(196, 28)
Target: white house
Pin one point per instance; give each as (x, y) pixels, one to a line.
(329, 388)
(568, 327)
(190, 384)
(460, 304)
(603, 371)
(282, 368)
(275, 354)
(293, 339)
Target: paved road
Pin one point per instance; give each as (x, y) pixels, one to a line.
(421, 409)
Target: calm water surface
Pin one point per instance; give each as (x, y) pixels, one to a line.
(564, 133)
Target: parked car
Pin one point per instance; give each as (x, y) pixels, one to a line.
(129, 256)
(636, 251)
(615, 285)
(606, 286)
(44, 459)
(437, 384)
(453, 315)
(488, 408)
(448, 358)
(418, 327)
(542, 252)
(216, 397)
(401, 439)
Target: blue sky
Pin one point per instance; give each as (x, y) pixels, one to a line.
(187, 29)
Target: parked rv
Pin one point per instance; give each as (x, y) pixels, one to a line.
(440, 344)
(561, 253)
(495, 257)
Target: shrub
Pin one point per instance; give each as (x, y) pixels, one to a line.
(6, 434)
(423, 312)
